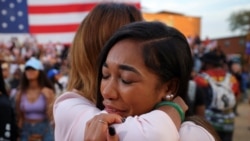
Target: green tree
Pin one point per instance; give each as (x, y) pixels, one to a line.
(240, 21)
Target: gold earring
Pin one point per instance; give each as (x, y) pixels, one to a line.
(169, 97)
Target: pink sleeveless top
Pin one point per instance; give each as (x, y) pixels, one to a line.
(35, 110)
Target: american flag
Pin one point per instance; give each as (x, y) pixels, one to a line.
(47, 20)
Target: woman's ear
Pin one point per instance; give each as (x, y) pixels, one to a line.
(172, 86)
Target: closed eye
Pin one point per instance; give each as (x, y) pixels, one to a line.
(127, 82)
(105, 76)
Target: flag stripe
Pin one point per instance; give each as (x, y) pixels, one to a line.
(64, 37)
(48, 9)
(53, 28)
(63, 2)
(138, 5)
(56, 19)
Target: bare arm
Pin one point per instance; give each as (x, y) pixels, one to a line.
(20, 115)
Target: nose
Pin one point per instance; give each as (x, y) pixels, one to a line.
(109, 89)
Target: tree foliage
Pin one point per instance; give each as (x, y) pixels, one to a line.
(240, 20)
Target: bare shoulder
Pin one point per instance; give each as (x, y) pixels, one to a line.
(48, 93)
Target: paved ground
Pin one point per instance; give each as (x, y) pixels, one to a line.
(242, 123)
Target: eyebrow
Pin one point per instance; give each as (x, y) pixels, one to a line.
(124, 67)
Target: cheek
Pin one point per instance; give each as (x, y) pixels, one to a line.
(140, 101)
(28, 74)
(36, 75)
(32, 74)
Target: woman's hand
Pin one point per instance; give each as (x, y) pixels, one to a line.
(99, 128)
(181, 102)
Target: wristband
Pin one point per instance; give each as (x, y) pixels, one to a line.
(174, 105)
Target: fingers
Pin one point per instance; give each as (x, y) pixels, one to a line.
(95, 130)
(99, 127)
(109, 118)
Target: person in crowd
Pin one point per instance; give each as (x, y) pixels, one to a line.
(91, 36)
(6, 76)
(220, 88)
(129, 87)
(244, 83)
(196, 96)
(58, 79)
(33, 100)
(222, 56)
(8, 127)
(235, 68)
(14, 83)
(15, 79)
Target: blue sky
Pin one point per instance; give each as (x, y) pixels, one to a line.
(213, 13)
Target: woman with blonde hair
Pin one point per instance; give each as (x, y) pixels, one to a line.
(93, 32)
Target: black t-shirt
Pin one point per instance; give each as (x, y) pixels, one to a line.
(8, 126)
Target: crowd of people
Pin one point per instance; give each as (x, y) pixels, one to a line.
(52, 55)
(213, 73)
(33, 75)
(147, 75)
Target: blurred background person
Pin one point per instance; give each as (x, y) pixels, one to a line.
(244, 83)
(8, 127)
(222, 119)
(196, 97)
(58, 79)
(34, 98)
(6, 76)
(235, 68)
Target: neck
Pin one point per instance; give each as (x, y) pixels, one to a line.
(34, 84)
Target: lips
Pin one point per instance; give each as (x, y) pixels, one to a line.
(112, 110)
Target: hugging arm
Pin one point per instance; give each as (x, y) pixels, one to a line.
(71, 113)
(160, 124)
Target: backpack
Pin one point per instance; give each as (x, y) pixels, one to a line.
(8, 126)
(223, 97)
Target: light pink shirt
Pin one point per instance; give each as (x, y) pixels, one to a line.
(72, 111)
(189, 131)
